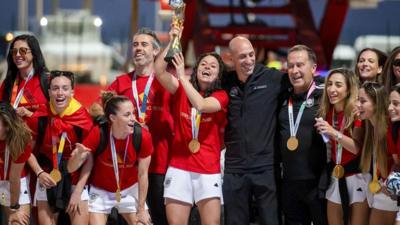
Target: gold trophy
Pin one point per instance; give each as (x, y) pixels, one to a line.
(178, 18)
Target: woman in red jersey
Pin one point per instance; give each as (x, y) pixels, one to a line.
(378, 152)
(26, 83)
(14, 152)
(346, 203)
(117, 181)
(199, 111)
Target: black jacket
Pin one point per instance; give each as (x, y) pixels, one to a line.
(252, 114)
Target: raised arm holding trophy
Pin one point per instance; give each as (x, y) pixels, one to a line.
(178, 18)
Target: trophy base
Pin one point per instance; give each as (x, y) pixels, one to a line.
(170, 55)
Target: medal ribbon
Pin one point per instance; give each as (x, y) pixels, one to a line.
(57, 154)
(115, 158)
(339, 147)
(141, 110)
(195, 119)
(6, 162)
(374, 167)
(294, 126)
(21, 92)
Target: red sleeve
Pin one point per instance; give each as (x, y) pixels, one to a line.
(146, 148)
(92, 141)
(222, 98)
(25, 155)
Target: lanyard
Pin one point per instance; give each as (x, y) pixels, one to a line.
(374, 166)
(6, 162)
(21, 92)
(339, 147)
(294, 126)
(195, 119)
(57, 154)
(141, 110)
(115, 158)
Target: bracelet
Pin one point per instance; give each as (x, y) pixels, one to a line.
(38, 174)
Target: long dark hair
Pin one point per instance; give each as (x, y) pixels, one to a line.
(38, 64)
(216, 85)
(389, 79)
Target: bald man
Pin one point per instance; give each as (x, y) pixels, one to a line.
(254, 92)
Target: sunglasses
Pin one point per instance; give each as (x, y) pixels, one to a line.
(22, 51)
(396, 62)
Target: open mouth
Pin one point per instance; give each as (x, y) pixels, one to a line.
(206, 73)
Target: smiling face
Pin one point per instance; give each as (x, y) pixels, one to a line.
(243, 56)
(207, 71)
(124, 118)
(396, 67)
(368, 66)
(23, 62)
(143, 52)
(337, 90)
(301, 70)
(394, 106)
(60, 93)
(365, 105)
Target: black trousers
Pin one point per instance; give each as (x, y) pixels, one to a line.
(240, 189)
(301, 204)
(155, 199)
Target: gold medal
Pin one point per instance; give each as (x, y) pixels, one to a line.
(55, 174)
(338, 171)
(292, 143)
(118, 195)
(194, 146)
(374, 187)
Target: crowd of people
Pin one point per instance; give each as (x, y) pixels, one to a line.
(300, 148)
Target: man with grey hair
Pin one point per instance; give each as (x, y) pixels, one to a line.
(151, 102)
(253, 91)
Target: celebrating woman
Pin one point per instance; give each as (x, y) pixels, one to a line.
(14, 152)
(378, 151)
(117, 180)
(193, 175)
(346, 204)
(26, 83)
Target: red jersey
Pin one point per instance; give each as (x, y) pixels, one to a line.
(21, 159)
(103, 171)
(33, 96)
(74, 115)
(347, 156)
(158, 117)
(207, 159)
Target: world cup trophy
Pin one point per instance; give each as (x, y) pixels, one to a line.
(178, 18)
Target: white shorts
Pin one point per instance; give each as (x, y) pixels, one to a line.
(102, 201)
(41, 193)
(24, 195)
(190, 187)
(357, 187)
(382, 201)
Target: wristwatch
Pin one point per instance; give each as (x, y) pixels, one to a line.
(338, 136)
(15, 207)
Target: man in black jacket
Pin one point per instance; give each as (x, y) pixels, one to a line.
(301, 147)
(253, 92)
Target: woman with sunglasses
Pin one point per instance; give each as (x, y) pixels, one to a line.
(120, 173)
(194, 175)
(346, 203)
(14, 152)
(378, 151)
(26, 83)
(391, 70)
(370, 62)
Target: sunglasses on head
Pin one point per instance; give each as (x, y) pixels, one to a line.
(22, 51)
(396, 62)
